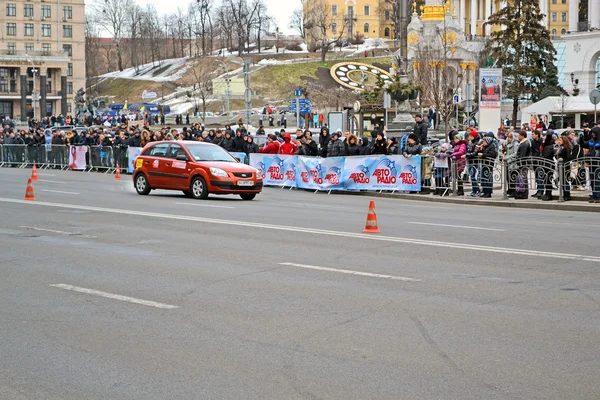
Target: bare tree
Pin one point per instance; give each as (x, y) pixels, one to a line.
(244, 18)
(263, 21)
(433, 73)
(112, 15)
(93, 58)
(204, 71)
(321, 26)
(297, 22)
(203, 28)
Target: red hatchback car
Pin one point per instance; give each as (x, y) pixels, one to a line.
(195, 168)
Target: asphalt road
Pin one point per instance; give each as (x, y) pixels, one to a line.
(105, 294)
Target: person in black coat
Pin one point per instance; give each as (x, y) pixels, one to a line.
(352, 147)
(311, 147)
(250, 146)
(324, 139)
(420, 130)
(380, 145)
(547, 154)
(365, 149)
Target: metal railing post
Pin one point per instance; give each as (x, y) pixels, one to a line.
(504, 180)
(453, 175)
(561, 180)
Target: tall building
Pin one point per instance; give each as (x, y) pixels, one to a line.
(353, 18)
(42, 57)
(375, 18)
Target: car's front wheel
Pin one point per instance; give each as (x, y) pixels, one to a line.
(141, 184)
(248, 196)
(198, 189)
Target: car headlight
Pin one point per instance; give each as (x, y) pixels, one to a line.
(218, 172)
(257, 173)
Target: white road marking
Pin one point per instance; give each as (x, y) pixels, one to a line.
(347, 271)
(202, 205)
(45, 174)
(114, 296)
(56, 231)
(58, 191)
(461, 246)
(458, 226)
(51, 181)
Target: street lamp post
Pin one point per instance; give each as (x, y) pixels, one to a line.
(227, 81)
(33, 91)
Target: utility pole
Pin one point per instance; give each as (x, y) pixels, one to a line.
(248, 92)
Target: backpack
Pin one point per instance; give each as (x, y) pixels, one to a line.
(403, 142)
(521, 191)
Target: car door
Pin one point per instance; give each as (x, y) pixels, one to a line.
(155, 160)
(176, 171)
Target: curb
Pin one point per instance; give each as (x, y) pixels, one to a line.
(566, 206)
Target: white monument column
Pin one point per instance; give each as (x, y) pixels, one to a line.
(473, 17)
(573, 15)
(462, 14)
(594, 13)
(544, 10)
(486, 15)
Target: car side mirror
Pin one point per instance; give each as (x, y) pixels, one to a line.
(181, 157)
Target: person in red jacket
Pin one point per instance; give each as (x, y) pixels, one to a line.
(272, 146)
(288, 147)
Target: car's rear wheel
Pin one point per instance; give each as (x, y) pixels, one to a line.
(248, 196)
(141, 184)
(198, 189)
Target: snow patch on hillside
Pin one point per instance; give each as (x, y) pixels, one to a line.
(161, 71)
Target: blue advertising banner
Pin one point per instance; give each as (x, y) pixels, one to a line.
(132, 155)
(340, 173)
(240, 156)
(320, 173)
(276, 169)
(383, 173)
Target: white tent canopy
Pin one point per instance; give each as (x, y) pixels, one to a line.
(560, 105)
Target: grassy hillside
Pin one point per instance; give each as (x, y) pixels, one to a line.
(278, 80)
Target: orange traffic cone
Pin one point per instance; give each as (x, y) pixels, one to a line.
(29, 192)
(34, 176)
(371, 226)
(118, 175)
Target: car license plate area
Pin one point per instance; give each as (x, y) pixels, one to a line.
(245, 183)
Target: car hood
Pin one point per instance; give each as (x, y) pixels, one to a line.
(227, 166)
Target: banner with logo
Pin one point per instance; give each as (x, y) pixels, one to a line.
(276, 169)
(132, 155)
(490, 88)
(320, 173)
(77, 157)
(382, 173)
(340, 173)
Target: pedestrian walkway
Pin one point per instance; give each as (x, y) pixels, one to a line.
(579, 200)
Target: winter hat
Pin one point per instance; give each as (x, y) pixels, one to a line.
(445, 146)
(490, 134)
(339, 131)
(418, 116)
(335, 134)
(473, 134)
(488, 139)
(459, 136)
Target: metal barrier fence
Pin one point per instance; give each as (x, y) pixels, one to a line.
(97, 158)
(514, 177)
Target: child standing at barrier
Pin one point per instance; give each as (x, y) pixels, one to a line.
(426, 165)
(441, 165)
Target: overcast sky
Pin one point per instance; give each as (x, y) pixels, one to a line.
(280, 10)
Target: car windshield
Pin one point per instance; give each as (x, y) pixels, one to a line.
(209, 153)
